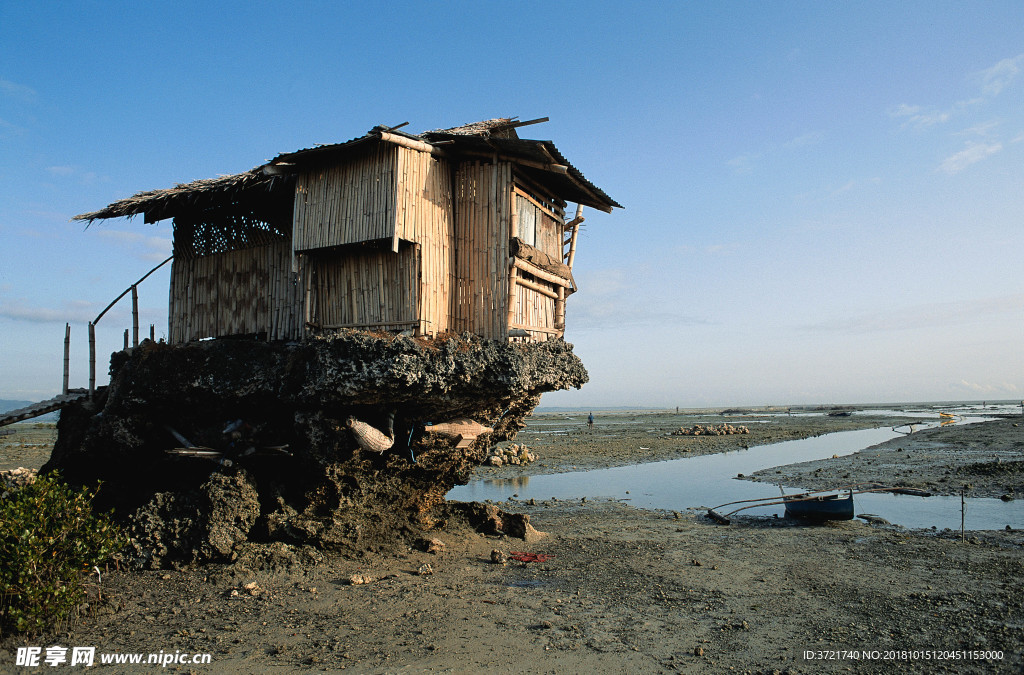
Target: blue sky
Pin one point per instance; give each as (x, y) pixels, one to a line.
(824, 201)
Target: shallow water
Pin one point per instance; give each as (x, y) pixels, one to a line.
(710, 480)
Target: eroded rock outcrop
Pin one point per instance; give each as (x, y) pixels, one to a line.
(264, 451)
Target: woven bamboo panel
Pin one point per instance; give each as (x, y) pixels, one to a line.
(244, 292)
(364, 288)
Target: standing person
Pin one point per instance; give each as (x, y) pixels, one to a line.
(590, 421)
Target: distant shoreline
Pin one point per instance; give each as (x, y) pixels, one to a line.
(781, 408)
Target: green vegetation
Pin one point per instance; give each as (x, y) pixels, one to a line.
(49, 540)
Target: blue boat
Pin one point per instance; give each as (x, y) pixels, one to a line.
(821, 508)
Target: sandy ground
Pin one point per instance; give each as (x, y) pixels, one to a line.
(26, 444)
(624, 590)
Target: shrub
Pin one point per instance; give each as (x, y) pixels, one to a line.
(49, 539)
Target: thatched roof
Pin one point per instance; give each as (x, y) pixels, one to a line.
(194, 196)
(498, 126)
(275, 180)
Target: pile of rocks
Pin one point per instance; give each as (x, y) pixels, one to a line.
(16, 478)
(512, 454)
(710, 430)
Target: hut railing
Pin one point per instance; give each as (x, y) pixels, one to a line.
(134, 290)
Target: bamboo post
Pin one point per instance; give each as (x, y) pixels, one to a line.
(126, 339)
(152, 333)
(963, 513)
(512, 278)
(135, 315)
(575, 232)
(92, 359)
(67, 355)
(560, 308)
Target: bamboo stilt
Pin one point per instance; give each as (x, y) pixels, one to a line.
(135, 316)
(67, 356)
(575, 232)
(92, 359)
(560, 308)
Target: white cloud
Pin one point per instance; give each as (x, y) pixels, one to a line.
(845, 188)
(8, 129)
(995, 79)
(147, 247)
(18, 92)
(74, 312)
(978, 388)
(611, 298)
(743, 164)
(810, 138)
(972, 154)
(918, 117)
(991, 82)
(931, 315)
(983, 129)
(83, 177)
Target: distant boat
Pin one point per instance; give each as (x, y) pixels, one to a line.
(947, 415)
(840, 413)
(822, 508)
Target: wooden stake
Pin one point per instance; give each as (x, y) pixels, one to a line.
(963, 513)
(92, 359)
(67, 355)
(126, 339)
(135, 316)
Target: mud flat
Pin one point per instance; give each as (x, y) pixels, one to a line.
(26, 444)
(624, 590)
(564, 443)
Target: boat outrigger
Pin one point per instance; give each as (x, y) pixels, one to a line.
(814, 506)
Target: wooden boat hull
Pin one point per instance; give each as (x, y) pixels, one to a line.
(819, 509)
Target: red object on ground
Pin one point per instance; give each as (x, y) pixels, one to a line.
(529, 557)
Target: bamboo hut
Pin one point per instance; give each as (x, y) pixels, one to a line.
(462, 229)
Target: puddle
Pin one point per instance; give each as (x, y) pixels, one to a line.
(709, 480)
(529, 583)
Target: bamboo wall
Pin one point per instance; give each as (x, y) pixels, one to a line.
(534, 311)
(249, 291)
(483, 218)
(364, 288)
(424, 216)
(346, 202)
(396, 194)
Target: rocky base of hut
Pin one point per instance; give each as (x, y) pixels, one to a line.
(202, 447)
